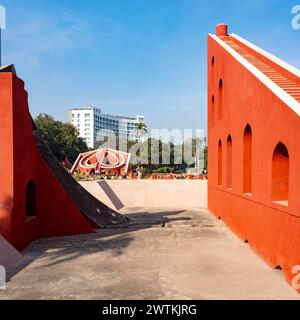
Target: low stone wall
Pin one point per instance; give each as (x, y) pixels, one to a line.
(149, 193)
(10, 258)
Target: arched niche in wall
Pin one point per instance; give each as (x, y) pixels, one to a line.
(229, 163)
(220, 161)
(31, 200)
(247, 160)
(280, 174)
(220, 98)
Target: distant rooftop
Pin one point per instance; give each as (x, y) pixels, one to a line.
(106, 114)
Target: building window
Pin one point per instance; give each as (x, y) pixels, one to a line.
(220, 160)
(280, 174)
(220, 98)
(229, 163)
(247, 160)
(30, 200)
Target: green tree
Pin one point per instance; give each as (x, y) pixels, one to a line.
(141, 129)
(205, 158)
(118, 144)
(62, 138)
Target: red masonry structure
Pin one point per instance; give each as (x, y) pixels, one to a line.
(254, 147)
(34, 202)
(104, 159)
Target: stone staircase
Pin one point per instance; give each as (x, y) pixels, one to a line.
(288, 85)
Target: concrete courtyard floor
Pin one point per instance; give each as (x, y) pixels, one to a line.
(161, 254)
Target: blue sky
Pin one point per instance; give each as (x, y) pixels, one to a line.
(133, 56)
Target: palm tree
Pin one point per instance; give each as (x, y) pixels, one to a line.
(141, 130)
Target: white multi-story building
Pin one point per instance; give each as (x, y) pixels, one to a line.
(92, 124)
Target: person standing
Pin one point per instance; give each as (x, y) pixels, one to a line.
(139, 172)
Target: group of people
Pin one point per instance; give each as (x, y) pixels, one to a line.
(97, 174)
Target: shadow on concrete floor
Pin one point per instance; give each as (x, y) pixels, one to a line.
(141, 219)
(114, 238)
(116, 201)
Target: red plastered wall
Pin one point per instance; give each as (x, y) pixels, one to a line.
(20, 163)
(272, 229)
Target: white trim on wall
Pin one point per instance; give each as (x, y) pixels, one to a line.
(270, 56)
(278, 91)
